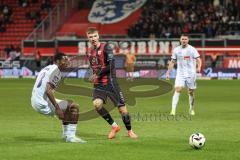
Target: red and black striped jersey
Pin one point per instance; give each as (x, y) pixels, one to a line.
(102, 63)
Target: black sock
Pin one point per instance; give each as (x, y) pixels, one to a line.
(65, 123)
(104, 113)
(127, 121)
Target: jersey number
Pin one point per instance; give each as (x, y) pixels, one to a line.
(41, 78)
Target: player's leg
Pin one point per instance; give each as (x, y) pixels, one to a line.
(175, 100)
(179, 84)
(71, 115)
(98, 104)
(131, 71)
(128, 75)
(191, 101)
(117, 98)
(128, 70)
(127, 121)
(191, 84)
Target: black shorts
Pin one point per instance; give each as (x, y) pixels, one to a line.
(110, 90)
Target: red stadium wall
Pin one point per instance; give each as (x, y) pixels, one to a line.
(78, 23)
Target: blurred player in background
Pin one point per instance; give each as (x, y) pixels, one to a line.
(188, 64)
(44, 102)
(101, 60)
(129, 64)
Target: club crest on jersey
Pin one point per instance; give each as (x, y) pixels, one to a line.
(99, 52)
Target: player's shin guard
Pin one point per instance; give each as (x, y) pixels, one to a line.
(105, 115)
(127, 121)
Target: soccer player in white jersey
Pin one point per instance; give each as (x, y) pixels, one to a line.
(44, 102)
(188, 64)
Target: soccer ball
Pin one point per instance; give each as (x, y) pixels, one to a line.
(197, 140)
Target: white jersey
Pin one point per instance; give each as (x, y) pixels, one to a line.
(50, 74)
(186, 60)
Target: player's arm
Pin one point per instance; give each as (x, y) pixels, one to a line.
(171, 64)
(198, 60)
(199, 64)
(109, 61)
(170, 68)
(49, 93)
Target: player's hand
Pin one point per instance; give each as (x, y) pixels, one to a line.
(59, 113)
(198, 70)
(93, 77)
(167, 75)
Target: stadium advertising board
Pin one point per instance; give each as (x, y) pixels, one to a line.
(222, 73)
(16, 73)
(9, 64)
(231, 63)
(14, 69)
(138, 46)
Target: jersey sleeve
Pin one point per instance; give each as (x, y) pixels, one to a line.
(174, 54)
(55, 77)
(109, 60)
(195, 53)
(108, 50)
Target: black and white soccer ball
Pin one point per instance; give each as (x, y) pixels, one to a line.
(197, 140)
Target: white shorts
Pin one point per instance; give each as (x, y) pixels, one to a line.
(189, 82)
(46, 107)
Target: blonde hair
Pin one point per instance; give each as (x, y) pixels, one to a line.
(91, 30)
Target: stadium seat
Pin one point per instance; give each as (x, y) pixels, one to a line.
(21, 26)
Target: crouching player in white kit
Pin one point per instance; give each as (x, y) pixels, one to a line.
(188, 64)
(44, 102)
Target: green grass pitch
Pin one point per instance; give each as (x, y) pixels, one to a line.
(27, 135)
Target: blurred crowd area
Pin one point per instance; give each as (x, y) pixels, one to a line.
(34, 11)
(7, 13)
(171, 18)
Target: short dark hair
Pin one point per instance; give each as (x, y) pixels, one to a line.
(58, 56)
(91, 30)
(184, 35)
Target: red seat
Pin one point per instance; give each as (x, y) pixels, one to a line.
(21, 27)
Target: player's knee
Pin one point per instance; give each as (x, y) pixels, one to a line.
(190, 92)
(123, 110)
(178, 89)
(98, 103)
(74, 108)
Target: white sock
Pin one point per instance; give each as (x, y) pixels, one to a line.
(69, 130)
(64, 128)
(114, 124)
(175, 100)
(72, 128)
(191, 102)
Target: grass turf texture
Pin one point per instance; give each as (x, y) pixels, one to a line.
(25, 134)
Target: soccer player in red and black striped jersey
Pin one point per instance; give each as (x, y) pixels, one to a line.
(101, 60)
